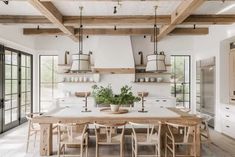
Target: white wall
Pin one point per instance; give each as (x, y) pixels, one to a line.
(199, 47)
(12, 36)
(172, 45)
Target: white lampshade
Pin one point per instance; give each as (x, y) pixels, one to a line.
(156, 63)
(81, 62)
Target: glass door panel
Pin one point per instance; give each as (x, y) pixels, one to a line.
(11, 99)
(15, 87)
(26, 85)
(180, 87)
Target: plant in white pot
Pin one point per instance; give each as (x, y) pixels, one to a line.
(125, 98)
(102, 94)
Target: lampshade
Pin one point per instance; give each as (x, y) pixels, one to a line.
(80, 62)
(156, 63)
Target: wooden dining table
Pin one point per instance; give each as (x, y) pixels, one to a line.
(74, 114)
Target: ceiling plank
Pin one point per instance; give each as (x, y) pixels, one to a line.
(120, 31)
(184, 10)
(53, 15)
(108, 20)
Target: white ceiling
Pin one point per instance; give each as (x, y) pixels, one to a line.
(126, 8)
(71, 7)
(18, 8)
(215, 7)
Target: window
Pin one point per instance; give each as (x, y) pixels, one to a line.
(48, 82)
(180, 87)
(15, 87)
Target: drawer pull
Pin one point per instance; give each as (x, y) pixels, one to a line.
(233, 99)
(227, 126)
(164, 100)
(227, 108)
(227, 115)
(157, 100)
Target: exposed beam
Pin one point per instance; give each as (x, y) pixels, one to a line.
(54, 16)
(108, 20)
(183, 11)
(187, 31)
(120, 31)
(116, 20)
(123, 0)
(91, 31)
(209, 19)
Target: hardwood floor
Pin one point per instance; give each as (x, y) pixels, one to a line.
(12, 144)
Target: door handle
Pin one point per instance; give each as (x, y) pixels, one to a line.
(1, 103)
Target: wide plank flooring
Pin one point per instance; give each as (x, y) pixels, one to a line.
(12, 144)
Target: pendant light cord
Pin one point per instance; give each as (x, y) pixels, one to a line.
(155, 31)
(81, 33)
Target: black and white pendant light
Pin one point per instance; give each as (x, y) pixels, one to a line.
(156, 61)
(81, 62)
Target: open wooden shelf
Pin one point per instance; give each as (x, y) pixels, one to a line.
(154, 82)
(144, 65)
(77, 82)
(149, 73)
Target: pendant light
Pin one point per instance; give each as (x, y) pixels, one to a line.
(81, 62)
(156, 61)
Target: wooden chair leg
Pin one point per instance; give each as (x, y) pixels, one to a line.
(97, 151)
(81, 149)
(35, 138)
(86, 146)
(166, 146)
(28, 138)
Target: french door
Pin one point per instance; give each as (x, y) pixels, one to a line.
(15, 87)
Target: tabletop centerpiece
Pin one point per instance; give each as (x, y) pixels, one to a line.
(105, 96)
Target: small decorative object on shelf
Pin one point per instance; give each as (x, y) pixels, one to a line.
(142, 95)
(84, 94)
(66, 57)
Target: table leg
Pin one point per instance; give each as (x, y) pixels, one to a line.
(45, 139)
(197, 141)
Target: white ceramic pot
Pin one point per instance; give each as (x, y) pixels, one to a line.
(114, 108)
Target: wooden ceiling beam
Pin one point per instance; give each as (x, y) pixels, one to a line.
(209, 19)
(54, 16)
(116, 20)
(119, 31)
(108, 20)
(183, 11)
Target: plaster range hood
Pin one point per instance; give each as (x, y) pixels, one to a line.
(114, 54)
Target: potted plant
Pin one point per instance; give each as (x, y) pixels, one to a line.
(105, 96)
(126, 96)
(102, 94)
(115, 103)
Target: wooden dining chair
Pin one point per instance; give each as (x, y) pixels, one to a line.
(205, 131)
(179, 134)
(151, 137)
(72, 135)
(108, 135)
(33, 128)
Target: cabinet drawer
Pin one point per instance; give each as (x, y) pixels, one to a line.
(229, 108)
(227, 116)
(228, 128)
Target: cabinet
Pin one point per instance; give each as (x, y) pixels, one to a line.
(228, 120)
(232, 76)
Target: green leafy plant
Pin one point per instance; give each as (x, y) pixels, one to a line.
(126, 96)
(104, 95)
